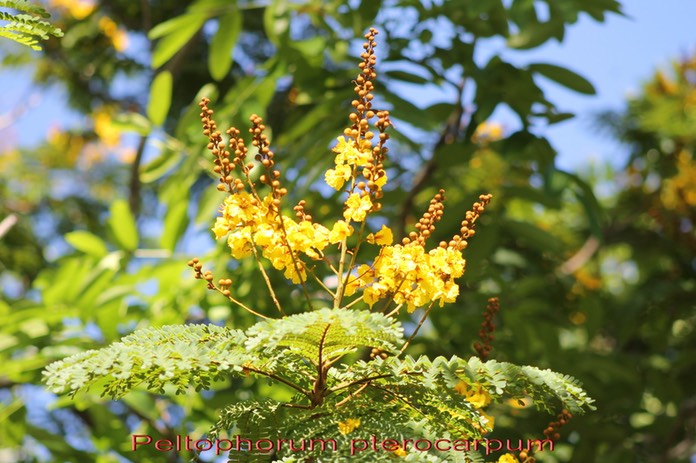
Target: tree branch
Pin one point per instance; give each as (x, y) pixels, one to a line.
(448, 135)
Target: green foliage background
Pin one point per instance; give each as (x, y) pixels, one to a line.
(87, 264)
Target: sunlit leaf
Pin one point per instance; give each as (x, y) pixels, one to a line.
(222, 44)
(122, 225)
(160, 98)
(87, 242)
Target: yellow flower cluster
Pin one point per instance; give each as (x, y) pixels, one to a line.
(409, 275)
(78, 9)
(348, 426)
(508, 458)
(117, 35)
(347, 160)
(406, 273)
(477, 396)
(248, 222)
(679, 192)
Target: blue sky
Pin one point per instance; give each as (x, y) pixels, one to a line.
(616, 56)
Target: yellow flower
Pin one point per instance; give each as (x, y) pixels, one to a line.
(508, 458)
(383, 237)
(221, 227)
(118, 36)
(340, 231)
(240, 209)
(447, 261)
(519, 402)
(487, 132)
(79, 9)
(348, 426)
(364, 276)
(477, 397)
(490, 421)
(357, 207)
(335, 178)
(105, 130)
(240, 243)
(400, 452)
(292, 274)
(348, 153)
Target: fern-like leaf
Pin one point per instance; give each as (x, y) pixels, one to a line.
(177, 355)
(331, 333)
(28, 26)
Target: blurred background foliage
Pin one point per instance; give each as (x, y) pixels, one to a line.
(98, 220)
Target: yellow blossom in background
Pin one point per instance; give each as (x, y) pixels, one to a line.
(348, 426)
(383, 237)
(519, 402)
(477, 396)
(126, 155)
(117, 35)
(357, 207)
(487, 132)
(103, 127)
(400, 452)
(585, 279)
(78, 9)
(665, 84)
(69, 146)
(508, 458)
(679, 192)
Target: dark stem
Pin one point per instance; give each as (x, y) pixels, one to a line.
(282, 380)
(322, 368)
(134, 184)
(448, 135)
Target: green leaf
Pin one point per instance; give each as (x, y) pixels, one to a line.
(189, 121)
(132, 122)
(326, 333)
(222, 44)
(87, 242)
(535, 33)
(312, 48)
(276, 21)
(589, 202)
(533, 236)
(174, 34)
(122, 226)
(168, 27)
(175, 223)
(171, 152)
(181, 355)
(565, 77)
(160, 98)
(208, 203)
(410, 77)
